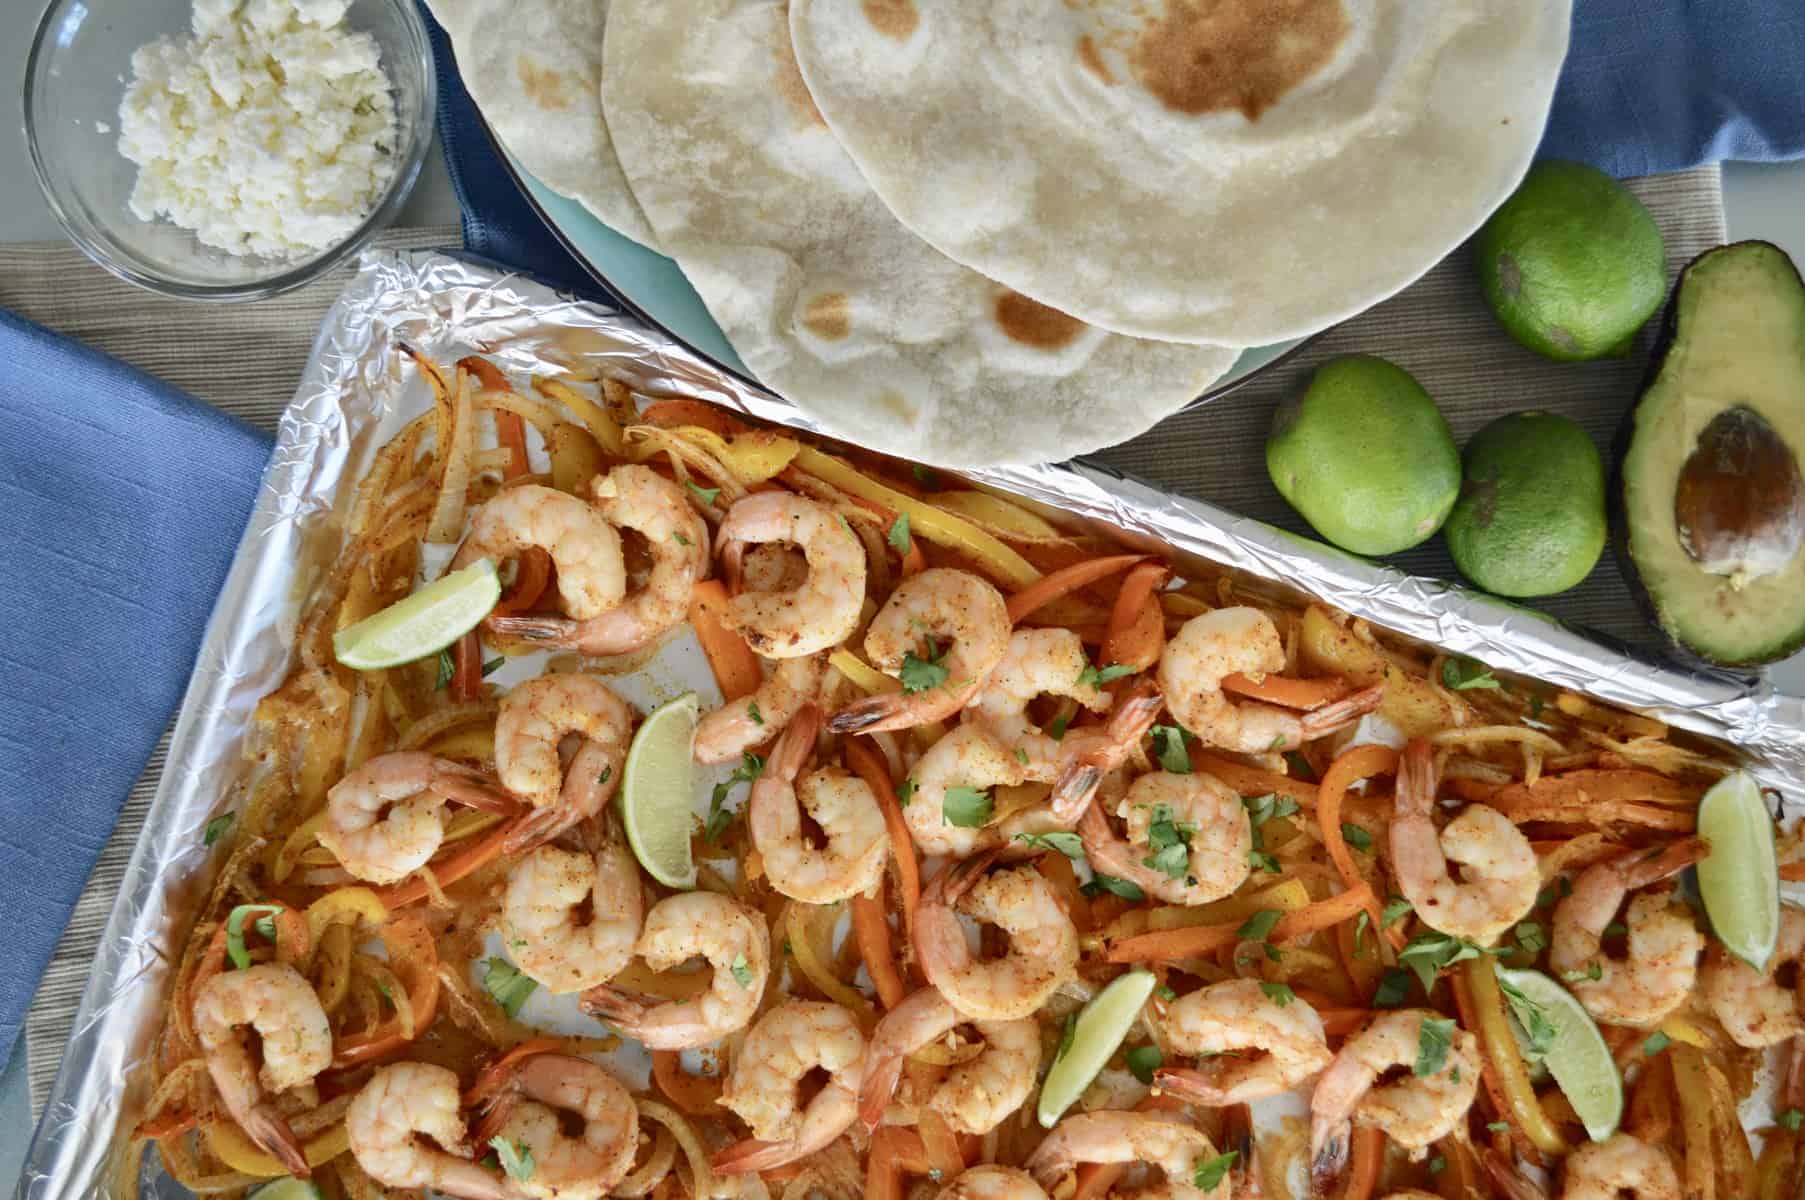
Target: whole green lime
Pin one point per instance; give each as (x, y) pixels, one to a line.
(1531, 516)
(1365, 456)
(1572, 264)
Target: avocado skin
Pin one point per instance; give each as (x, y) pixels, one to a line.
(1654, 607)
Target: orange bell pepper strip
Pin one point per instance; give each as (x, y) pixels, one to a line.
(1048, 588)
(696, 1095)
(1287, 693)
(1198, 941)
(470, 856)
(895, 1150)
(1252, 781)
(871, 927)
(668, 414)
(415, 961)
(467, 668)
(1137, 624)
(1361, 762)
(735, 666)
(1366, 1155)
(867, 762)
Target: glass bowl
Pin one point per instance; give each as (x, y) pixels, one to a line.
(81, 59)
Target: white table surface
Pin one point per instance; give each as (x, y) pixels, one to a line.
(1762, 201)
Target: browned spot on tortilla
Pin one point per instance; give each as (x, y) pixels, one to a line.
(1201, 56)
(1091, 59)
(790, 84)
(893, 18)
(1034, 324)
(545, 87)
(828, 315)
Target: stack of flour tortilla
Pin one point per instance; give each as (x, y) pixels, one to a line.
(1018, 230)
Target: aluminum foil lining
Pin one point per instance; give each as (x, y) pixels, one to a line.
(350, 398)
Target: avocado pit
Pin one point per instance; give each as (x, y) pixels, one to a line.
(1739, 506)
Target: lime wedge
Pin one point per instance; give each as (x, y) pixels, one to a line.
(425, 623)
(1572, 1047)
(656, 789)
(1739, 878)
(1099, 1030)
(286, 1188)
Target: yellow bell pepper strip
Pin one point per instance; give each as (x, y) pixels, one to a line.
(235, 1150)
(1513, 1092)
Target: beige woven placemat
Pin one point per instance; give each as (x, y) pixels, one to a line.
(1441, 332)
(245, 359)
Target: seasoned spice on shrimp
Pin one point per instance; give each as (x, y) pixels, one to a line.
(840, 804)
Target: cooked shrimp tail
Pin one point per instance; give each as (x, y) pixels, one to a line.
(1092, 758)
(1319, 722)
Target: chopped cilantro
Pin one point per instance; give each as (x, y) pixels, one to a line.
(924, 476)
(1098, 676)
(1433, 1041)
(1170, 841)
(1532, 1018)
(1211, 1172)
(1590, 973)
(504, 982)
(1791, 1119)
(493, 665)
(922, 674)
(1143, 1061)
(1300, 766)
(1395, 909)
(516, 1158)
(1260, 860)
(1067, 1036)
(1438, 1164)
(966, 807)
(758, 718)
(1461, 674)
(217, 827)
(1169, 747)
(1428, 954)
(1068, 844)
(1165, 993)
(680, 539)
(1393, 987)
(1279, 993)
(1258, 927)
(719, 815)
(905, 792)
(1126, 889)
(898, 537)
(705, 495)
(1356, 837)
(742, 974)
(447, 668)
(1532, 937)
(1657, 1042)
(1616, 929)
(1056, 730)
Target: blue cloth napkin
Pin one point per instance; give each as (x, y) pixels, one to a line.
(121, 503)
(1649, 85)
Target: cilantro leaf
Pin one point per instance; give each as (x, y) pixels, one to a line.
(966, 807)
(1462, 674)
(1791, 1119)
(1169, 747)
(905, 792)
(1498, 1126)
(705, 495)
(1395, 909)
(924, 476)
(1067, 843)
(1260, 860)
(1433, 1041)
(493, 665)
(1430, 953)
(758, 718)
(742, 974)
(504, 982)
(1532, 1018)
(1438, 1164)
(1532, 937)
(1356, 837)
(1590, 973)
(1212, 1171)
(1258, 927)
(1393, 987)
(1279, 993)
(1056, 729)
(719, 815)
(921, 674)
(1300, 766)
(1125, 888)
(217, 827)
(516, 1158)
(447, 668)
(1165, 993)
(1098, 676)
(1067, 1036)
(1143, 1061)
(1170, 841)
(680, 539)
(1657, 1042)
(898, 537)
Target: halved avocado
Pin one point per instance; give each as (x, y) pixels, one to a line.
(1713, 504)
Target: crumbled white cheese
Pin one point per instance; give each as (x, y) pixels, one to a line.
(269, 131)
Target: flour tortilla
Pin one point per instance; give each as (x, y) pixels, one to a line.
(534, 67)
(1233, 171)
(827, 298)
